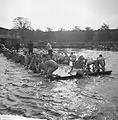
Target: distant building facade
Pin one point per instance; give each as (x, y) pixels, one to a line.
(7, 39)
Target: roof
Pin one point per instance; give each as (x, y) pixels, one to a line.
(1, 28)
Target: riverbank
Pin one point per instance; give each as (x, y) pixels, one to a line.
(112, 47)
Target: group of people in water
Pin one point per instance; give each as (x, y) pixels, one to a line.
(41, 62)
(47, 61)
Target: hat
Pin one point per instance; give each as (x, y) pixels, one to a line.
(100, 55)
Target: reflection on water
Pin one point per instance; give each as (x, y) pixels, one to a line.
(95, 98)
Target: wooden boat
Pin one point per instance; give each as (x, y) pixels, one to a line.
(100, 73)
(78, 75)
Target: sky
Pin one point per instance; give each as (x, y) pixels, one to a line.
(58, 14)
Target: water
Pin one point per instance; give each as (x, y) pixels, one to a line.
(24, 93)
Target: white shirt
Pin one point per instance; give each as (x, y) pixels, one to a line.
(49, 46)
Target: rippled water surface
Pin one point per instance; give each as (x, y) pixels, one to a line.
(24, 93)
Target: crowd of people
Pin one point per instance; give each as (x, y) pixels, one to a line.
(42, 62)
(87, 65)
(46, 61)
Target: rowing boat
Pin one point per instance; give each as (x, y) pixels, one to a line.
(78, 75)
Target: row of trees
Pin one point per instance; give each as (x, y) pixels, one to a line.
(23, 27)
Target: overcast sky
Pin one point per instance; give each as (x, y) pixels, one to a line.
(60, 13)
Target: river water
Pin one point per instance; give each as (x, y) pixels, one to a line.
(24, 93)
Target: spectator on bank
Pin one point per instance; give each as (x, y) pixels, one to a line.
(30, 47)
(17, 47)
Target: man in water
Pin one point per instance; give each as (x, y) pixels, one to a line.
(48, 65)
(61, 57)
(101, 62)
(81, 62)
(89, 63)
(72, 61)
(49, 48)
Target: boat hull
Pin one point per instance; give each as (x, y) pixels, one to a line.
(78, 75)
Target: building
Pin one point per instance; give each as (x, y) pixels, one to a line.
(4, 31)
(9, 41)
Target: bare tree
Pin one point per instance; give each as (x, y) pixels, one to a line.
(76, 28)
(22, 24)
(104, 33)
(48, 29)
(104, 27)
(61, 29)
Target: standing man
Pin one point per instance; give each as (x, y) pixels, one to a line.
(17, 47)
(101, 63)
(30, 47)
(49, 48)
(72, 61)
